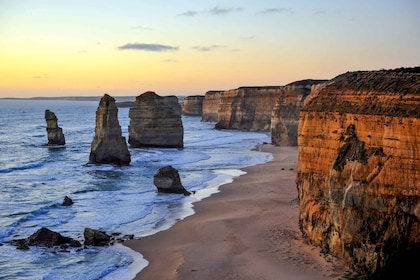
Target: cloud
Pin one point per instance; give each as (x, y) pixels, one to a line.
(217, 11)
(148, 47)
(141, 27)
(224, 11)
(189, 13)
(277, 11)
(207, 48)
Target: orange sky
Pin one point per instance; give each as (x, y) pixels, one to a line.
(54, 48)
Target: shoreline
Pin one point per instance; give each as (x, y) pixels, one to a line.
(247, 230)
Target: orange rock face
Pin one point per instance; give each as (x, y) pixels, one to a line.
(358, 176)
(193, 105)
(210, 106)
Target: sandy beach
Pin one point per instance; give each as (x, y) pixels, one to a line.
(249, 230)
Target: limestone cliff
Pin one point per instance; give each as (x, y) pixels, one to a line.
(285, 114)
(358, 175)
(108, 145)
(54, 132)
(193, 105)
(211, 104)
(247, 108)
(155, 121)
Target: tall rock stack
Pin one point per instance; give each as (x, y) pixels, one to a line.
(155, 121)
(193, 105)
(285, 114)
(358, 176)
(54, 132)
(108, 145)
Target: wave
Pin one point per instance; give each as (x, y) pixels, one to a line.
(22, 167)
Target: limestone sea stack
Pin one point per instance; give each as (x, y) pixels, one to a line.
(358, 176)
(193, 105)
(167, 180)
(155, 121)
(54, 132)
(108, 145)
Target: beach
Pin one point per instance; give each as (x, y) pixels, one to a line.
(248, 230)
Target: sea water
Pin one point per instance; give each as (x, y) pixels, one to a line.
(34, 179)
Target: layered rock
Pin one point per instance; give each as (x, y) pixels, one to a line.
(285, 114)
(211, 105)
(155, 121)
(358, 176)
(108, 145)
(247, 108)
(167, 180)
(54, 132)
(193, 105)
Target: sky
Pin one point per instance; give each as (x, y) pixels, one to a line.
(186, 47)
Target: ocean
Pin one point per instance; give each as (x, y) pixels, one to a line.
(34, 179)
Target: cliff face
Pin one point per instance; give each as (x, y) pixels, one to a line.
(193, 105)
(285, 114)
(210, 106)
(247, 108)
(108, 145)
(54, 132)
(358, 176)
(155, 121)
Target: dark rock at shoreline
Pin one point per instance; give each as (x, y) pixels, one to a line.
(54, 132)
(108, 145)
(95, 237)
(45, 237)
(167, 180)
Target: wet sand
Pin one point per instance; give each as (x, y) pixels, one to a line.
(249, 230)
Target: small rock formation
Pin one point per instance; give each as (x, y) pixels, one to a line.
(54, 132)
(45, 237)
(193, 105)
(358, 176)
(167, 180)
(155, 121)
(108, 145)
(95, 237)
(210, 106)
(67, 201)
(285, 114)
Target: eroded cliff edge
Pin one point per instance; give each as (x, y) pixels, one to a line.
(358, 175)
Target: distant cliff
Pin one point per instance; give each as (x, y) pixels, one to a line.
(247, 108)
(358, 173)
(285, 113)
(211, 105)
(193, 105)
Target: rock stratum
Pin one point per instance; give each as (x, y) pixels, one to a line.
(155, 121)
(108, 144)
(54, 132)
(285, 113)
(358, 175)
(193, 105)
(210, 106)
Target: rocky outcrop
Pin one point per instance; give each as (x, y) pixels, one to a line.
(167, 180)
(67, 201)
(358, 176)
(193, 105)
(211, 105)
(45, 237)
(108, 145)
(155, 121)
(54, 132)
(285, 114)
(95, 237)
